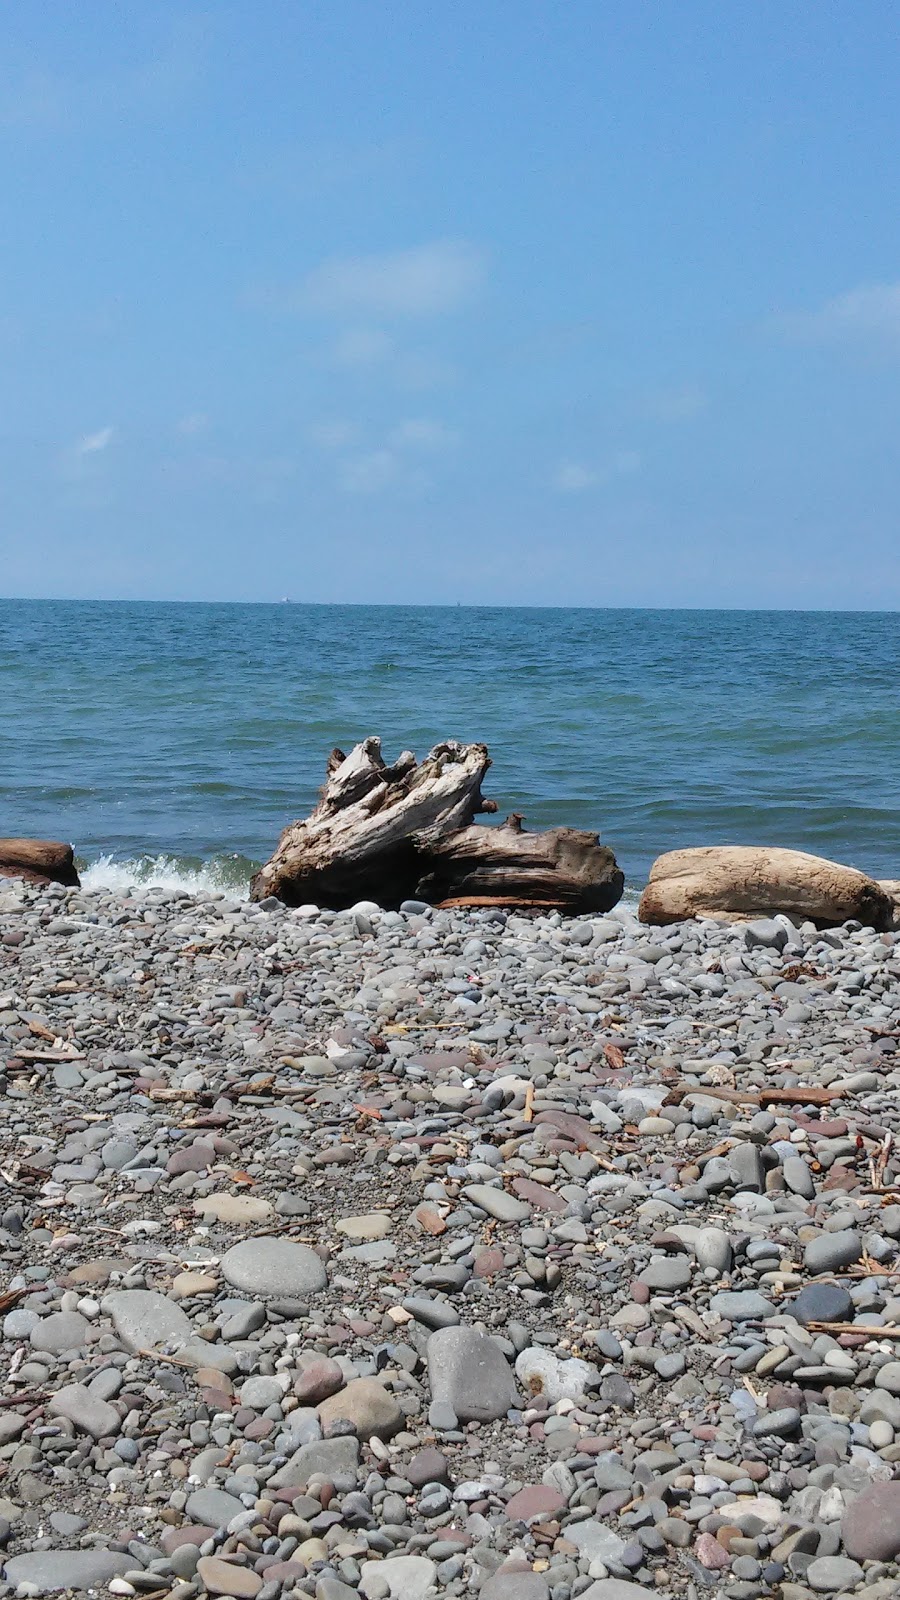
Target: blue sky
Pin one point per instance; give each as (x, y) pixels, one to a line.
(576, 303)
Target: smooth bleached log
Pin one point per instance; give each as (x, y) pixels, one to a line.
(737, 882)
(38, 861)
(406, 831)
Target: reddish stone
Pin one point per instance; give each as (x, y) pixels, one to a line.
(573, 1127)
(538, 1195)
(259, 1428)
(727, 1534)
(536, 1500)
(173, 1538)
(487, 1263)
(318, 1381)
(285, 1571)
(639, 1292)
(429, 1220)
(195, 1157)
(818, 1128)
(710, 1553)
(841, 1178)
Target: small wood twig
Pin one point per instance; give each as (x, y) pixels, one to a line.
(528, 1108)
(869, 1332)
(172, 1361)
(51, 1055)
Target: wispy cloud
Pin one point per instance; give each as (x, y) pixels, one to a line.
(332, 435)
(865, 315)
(677, 405)
(194, 423)
(310, 171)
(396, 463)
(371, 473)
(421, 433)
(92, 443)
(362, 347)
(41, 102)
(574, 477)
(426, 281)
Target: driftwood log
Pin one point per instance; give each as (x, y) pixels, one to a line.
(407, 832)
(38, 861)
(737, 882)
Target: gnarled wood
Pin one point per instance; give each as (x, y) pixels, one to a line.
(38, 861)
(562, 867)
(406, 831)
(737, 882)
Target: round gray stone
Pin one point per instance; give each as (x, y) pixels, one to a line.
(145, 1320)
(468, 1371)
(830, 1252)
(274, 1267)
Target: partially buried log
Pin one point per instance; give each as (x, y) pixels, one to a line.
(737, 883)
(38, 861)
(407, 832)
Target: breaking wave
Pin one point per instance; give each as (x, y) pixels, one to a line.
(227, 874)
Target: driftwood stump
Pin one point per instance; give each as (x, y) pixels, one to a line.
(38, 861)
(407, 832)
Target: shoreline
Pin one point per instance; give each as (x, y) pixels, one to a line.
(324, 1142)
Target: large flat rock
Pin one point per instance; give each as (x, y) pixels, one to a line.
(274, 1266)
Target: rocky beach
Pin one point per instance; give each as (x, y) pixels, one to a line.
(423, 1253)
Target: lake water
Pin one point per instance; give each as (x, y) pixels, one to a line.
(174, 742)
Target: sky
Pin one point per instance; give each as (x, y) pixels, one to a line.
(592, 303)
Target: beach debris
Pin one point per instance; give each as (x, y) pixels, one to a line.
(406, 833)
(731, 883)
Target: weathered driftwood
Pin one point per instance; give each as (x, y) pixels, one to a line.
(735, 882)
(561, 867)
(406, 831)
(38, 861)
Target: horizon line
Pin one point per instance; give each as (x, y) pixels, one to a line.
(451, 605)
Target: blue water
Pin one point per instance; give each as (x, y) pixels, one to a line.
(184, 737)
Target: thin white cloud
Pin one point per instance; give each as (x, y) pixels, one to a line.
(371, 473)
(574, 477)
(421, 433)
(92, 443)
(677, 405)
(362, 347)
(195, 422)
(870, 313)
(428, 280)
(42, 101)
(331, 435)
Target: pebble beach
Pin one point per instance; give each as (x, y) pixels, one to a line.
(445, 1253)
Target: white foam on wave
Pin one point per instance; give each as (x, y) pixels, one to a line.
(166, 872)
